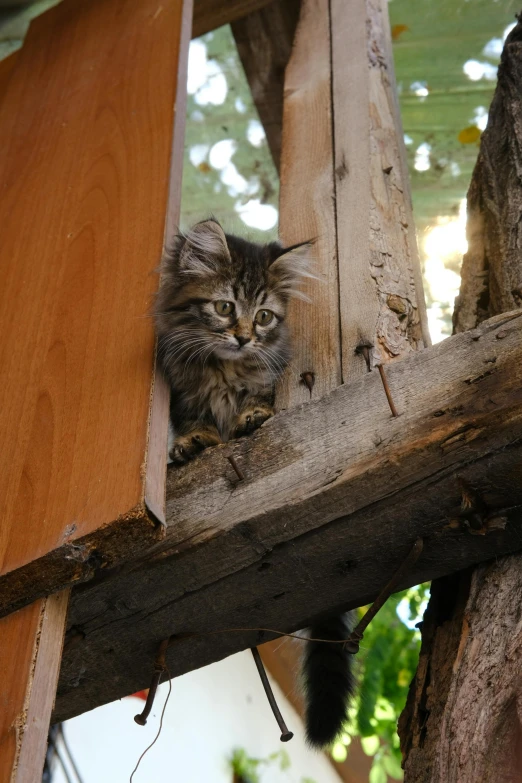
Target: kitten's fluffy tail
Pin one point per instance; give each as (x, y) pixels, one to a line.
(328, 680)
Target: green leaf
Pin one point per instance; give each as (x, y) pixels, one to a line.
(392, 766)
(370, 745)
(377, 773)
(339, 752)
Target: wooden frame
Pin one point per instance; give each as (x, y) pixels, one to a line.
(335, 493)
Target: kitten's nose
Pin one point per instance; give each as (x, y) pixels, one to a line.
(242, 340)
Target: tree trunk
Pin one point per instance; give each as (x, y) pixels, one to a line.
(462, 722)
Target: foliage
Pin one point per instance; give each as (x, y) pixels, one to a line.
(385, 664)
(247, 769)
(220, 109)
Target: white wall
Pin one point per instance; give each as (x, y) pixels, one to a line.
(210, 712)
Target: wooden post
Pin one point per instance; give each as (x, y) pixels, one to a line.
(344, 182)
(86, 121)
(463, 719)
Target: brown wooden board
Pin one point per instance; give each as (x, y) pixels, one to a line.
(86, 122)
(335, 492)
(29, 663)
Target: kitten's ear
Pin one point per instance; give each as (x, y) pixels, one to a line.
(291, 266)
(204, 249)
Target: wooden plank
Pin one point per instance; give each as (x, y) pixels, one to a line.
(382, 301)
(335, 492)
(29, 663)
(306, 209)
(86, 123)
(209, 14)
(264, 42)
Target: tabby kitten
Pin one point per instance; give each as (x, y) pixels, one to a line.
(223, 343)
(222, 337)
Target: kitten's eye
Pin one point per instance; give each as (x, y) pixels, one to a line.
(224, 308)
(264, 317)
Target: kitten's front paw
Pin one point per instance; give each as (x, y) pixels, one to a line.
(188, 446)
(252, 418)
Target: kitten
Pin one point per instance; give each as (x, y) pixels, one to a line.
(222, 337)
(223, 343)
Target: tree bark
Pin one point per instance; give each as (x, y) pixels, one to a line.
(462, 721)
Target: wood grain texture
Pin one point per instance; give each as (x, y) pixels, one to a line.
(264, 41)
(335, 492)
(306, 204)
(86, 123)
(381, 295)
(29, 663)
(209, 14)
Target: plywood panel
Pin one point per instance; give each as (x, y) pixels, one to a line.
(86, 122)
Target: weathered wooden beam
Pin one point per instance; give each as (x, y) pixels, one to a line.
(209, 14)
(335, 492)
(264, 41)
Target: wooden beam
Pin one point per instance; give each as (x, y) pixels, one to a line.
(87, 144)
(209, 14)
(264, 41)
(29, 663)
(335, 492)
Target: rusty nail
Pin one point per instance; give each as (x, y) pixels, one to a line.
(363, 348)
(236, 467)
(353, 641)
(159, 669)
(387, 390)
(308, 378)
(286, 735)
